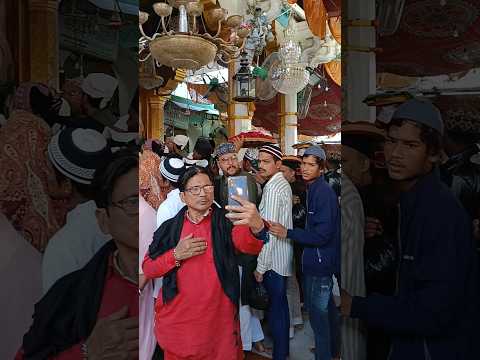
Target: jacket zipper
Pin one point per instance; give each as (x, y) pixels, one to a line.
(426, 351)
(397, 277)
(306, 223)
(399, 239)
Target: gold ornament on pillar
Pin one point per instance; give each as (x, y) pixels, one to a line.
(334, 70)
(316, 15)
(43, 46)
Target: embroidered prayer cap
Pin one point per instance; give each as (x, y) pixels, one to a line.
(77, 153)
(421, 112)
(225, 148)
(273, 150)
(317, 151)
(100, 86)
(251, 154)
(172, 168)
(181, 141)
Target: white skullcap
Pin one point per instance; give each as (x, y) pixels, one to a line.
(99, 85)
(181, 141)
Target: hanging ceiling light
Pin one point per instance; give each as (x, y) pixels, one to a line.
(185, 47)
(291, 76)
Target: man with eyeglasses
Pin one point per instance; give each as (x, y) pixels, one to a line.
(92, 313)
(227, 160)
(195, 253)
(70, 152)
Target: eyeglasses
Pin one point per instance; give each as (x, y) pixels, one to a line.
(229, 159)
(196, 190)
(129, 205)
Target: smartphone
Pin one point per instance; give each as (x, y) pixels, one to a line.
(237, 185)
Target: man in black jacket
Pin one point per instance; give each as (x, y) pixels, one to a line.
(433, 312)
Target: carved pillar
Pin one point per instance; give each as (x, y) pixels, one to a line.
(156, 106)
(151, 107)
(288, 123)
(43, 23)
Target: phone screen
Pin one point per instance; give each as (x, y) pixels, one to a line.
(237, 185)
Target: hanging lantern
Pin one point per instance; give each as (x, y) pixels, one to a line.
(244, 81)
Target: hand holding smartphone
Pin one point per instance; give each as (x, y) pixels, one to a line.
(237, 185)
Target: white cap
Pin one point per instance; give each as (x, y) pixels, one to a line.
(122, 122)
(190, 162)
(181, 141)
(99, 85)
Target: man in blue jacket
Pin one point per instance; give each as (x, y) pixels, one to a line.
(321, 255)
(432, 315)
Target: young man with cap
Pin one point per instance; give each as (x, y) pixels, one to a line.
(275, 262)
(433, 312)
(75, 154)
(321, 255)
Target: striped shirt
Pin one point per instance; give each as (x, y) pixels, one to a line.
(353, 280)
(276, 205)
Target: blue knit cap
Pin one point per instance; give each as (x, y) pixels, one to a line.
(315, 151)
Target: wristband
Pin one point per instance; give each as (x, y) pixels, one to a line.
(177, 262)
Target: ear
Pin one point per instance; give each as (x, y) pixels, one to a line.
(365, 165)
(182, 197)
(103, 220)
(434, 158)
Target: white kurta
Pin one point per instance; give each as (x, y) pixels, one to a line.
(166, 211)
(353, 334)
(72, 247)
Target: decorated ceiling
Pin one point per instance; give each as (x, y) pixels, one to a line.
(434, 37)
(324, 115)
(317, 30)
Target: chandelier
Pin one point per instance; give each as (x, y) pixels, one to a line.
(186, 46)
(291, 76)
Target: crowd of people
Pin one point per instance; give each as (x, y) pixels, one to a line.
(207, 256)
(69, 204)
(140, 248)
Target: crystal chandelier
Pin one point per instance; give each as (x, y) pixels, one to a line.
(186, 46)
(291, 76)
